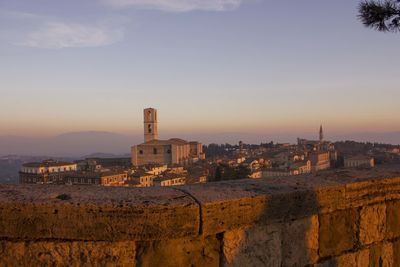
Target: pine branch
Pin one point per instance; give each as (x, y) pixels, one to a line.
(380, 15)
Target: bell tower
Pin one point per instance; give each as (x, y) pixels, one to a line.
(321, 134)
(150, 124)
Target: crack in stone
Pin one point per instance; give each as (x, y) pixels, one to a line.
(198, 203)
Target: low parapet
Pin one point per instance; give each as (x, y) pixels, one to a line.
(341, 218)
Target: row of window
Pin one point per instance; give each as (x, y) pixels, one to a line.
(31, 180)
(83, 181)
(113, 179)
(51, 170)
(173, 182)
(155, 151)
(70, 180)
(357, 163)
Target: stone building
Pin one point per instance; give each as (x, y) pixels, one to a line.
(156, 169)
(301, 167)
(359, 161)
(322, 153)
(170, 179)
(105, 178)
(81, 173)
(141, 178)
(320, 160)
(155, 151)
(296, 168)
(48, 171)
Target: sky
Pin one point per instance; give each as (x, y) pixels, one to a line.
(208, 66)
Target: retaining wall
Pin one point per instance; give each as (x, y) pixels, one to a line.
(341, 218)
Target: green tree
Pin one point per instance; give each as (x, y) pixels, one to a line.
(380, 15)
(218, 173)
(242, 172)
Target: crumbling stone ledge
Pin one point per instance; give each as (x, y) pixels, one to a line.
(335, 218)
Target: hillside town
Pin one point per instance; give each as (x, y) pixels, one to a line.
(177, 162)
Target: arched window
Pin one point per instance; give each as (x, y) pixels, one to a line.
(149, 128)
(154, 151)
(141, 152)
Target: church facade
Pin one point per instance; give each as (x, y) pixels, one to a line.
(155, 151)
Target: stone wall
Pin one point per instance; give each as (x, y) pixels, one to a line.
(342, 218)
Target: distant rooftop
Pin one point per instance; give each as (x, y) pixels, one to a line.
(47, 163)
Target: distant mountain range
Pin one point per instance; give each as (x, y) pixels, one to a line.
(107, 144)
(75, 144)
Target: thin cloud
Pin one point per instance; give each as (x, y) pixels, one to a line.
(49, 32)
(8, 14)
(177, 5)
(57, 35)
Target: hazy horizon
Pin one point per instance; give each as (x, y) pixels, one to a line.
(80, 144)
(260, 67)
